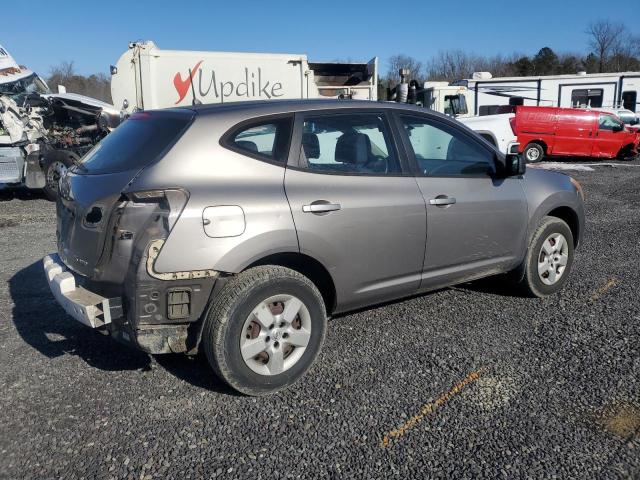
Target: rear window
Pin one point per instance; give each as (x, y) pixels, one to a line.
(139, 141)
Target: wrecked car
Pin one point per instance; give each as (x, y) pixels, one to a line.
(43, 133)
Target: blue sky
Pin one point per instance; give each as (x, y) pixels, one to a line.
(94, 34)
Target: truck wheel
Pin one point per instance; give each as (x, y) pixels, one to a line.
(55, 166)
(627, 154)
(549, 259)
(265, 329)
(533, 153)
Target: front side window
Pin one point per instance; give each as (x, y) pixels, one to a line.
(609, 122)
(591, 97)
(266, 139)
(441, 150)
(357, 143)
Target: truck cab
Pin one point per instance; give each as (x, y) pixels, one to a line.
(444, 98)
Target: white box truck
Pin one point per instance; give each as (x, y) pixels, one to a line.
(146, 77)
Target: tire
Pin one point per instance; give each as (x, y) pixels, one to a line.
(533, 153)
(626, 154)
(233, 331)
(532, 282)
(54, 166)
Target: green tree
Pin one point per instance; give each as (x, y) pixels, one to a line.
(545, 62)
(523, 67)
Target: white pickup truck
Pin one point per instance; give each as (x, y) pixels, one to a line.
(495, 129)
(146, 77)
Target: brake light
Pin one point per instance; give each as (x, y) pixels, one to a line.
(140, 116)
(512, 122)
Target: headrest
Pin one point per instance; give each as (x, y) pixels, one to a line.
(247, 145)
(311, 145)
(354, 148)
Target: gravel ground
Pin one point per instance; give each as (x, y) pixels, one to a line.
(467, 382)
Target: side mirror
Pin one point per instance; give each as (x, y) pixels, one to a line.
(515, 165)
(618, 128)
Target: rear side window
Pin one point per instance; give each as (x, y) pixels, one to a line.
(139, 141)
(357, 143)
(263, 139)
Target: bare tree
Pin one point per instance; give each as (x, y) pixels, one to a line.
(97, 86)
(604, 36)
(451, 65)
(396, 62)
(624, 54)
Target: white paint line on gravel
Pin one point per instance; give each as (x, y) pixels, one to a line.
(583, 167)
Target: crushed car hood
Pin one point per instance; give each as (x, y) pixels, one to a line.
(74, 98)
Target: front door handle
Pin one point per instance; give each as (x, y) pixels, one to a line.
(442, 200)
(321, 207)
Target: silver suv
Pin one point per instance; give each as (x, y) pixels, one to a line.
(240, 228)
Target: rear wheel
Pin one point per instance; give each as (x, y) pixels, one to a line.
(533, 153)
(265, 329)
(549, 258)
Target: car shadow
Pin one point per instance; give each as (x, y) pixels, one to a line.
(496, 285)
(8, 193)
(46, 327)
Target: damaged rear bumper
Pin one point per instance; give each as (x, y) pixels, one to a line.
(84, 306)
(158, 316)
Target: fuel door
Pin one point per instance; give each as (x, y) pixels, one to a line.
(223, 221)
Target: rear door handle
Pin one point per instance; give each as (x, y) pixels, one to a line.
(442, 200)
(321, 207)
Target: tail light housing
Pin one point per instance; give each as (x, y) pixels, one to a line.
(170, 202)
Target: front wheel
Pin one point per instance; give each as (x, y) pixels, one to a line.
(55, 166)
(533, 153)
(549, 258)
(265, 329)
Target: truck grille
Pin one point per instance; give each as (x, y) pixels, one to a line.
(11, 163)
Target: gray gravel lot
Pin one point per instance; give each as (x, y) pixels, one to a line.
(466, 382)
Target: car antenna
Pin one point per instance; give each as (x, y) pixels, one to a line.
(193, 91)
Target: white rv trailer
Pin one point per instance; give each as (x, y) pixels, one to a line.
(146, 77)
(485, 94)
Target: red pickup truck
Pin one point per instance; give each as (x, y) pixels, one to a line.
(572, 132)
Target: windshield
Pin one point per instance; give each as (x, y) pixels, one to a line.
(26, 85)
(628, 117)
(139, 141)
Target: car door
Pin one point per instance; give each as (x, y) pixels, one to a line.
(574, 133)
(609, 136)
(356, 208)
(476, 222)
